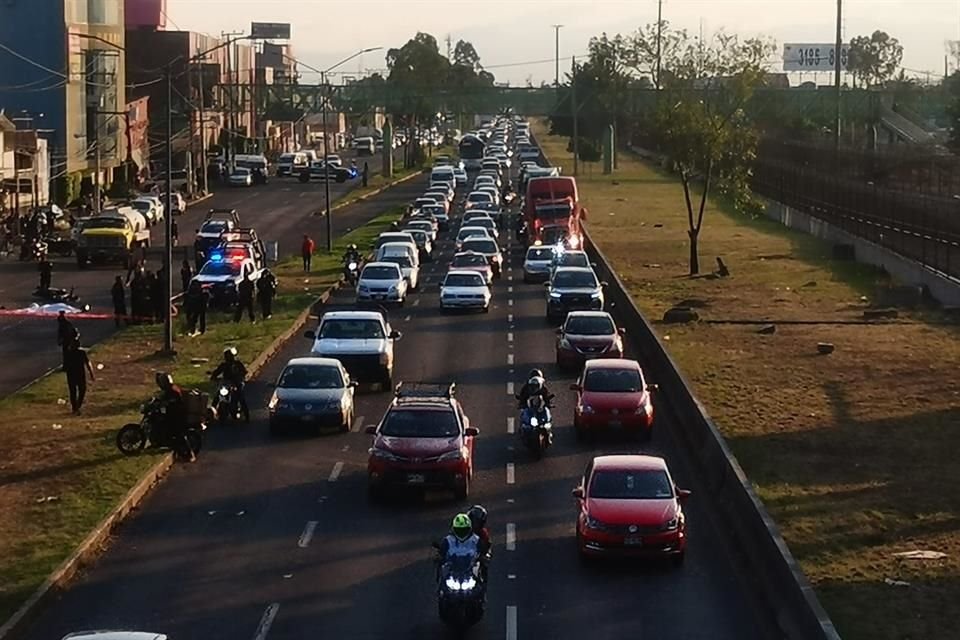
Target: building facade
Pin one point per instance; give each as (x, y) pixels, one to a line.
(62, 65)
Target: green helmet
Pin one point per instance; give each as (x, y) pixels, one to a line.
(462, 527)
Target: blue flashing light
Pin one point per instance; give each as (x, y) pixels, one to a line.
(216, 257)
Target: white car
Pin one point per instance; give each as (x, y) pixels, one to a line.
(382, 281)
(408, 266)
(178, 204)
(487, 179)
(466, 233)
(460, 175)
(362, 341)
(492, 190)
(423, 225)
(463, 289)
(335, 160)
(487, 223)
(241, 177)
(148, 209)
(537, 264)
(475, 197)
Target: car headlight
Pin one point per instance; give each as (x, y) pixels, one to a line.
(224, 392)
(596, 525)
(393, 288)
(334, 405)
(554, 295)
(565, 344)
(457, 454)
(642, 409)
(274, 401)
(596, 295)
(534, 422)
(587, 409)
(670, 525)
(383, 454)
(468, 584)
(363, 287)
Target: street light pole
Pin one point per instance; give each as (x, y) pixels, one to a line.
(836, 73)
(556, 55)
(168, 223)
(326, 164)
(659, 40)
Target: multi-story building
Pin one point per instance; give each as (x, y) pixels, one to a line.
(62, 65)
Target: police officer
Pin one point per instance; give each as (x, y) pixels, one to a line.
(245, 299)
(66, 333)
(186, 274)
(76, 364)
(46, 273)
(158, 296)
(195, 303)
(266, 290)
(118, 294)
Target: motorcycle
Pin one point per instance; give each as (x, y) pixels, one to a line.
(227, 405)
(54, 295)
(351, 272)
(536, 426)
(133, 437)
(461, 591)
(35, 250)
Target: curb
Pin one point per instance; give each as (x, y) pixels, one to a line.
(90, 548)
(375, 192)
(200, 199)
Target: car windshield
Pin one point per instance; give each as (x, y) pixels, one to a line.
(589, 325)
(613, 381)
(214, 227)
(105, 223)
(310, 377)
(463, 280)
(572, 260)
(486, 223)
(472, 232)
(480, 245)
(419, 235)
(653, 484)
(141, 205)
(220, 269)
(479, 196)
(434, 210)
(553, 235)
(403, 261)
(575, 279)
(351, 329)
(241, 172)
(475, 260)
(423, 225)
(379, 273)
(539, 254)
(420, 423)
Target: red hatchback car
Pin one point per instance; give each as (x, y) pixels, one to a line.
(612, 394)
(424, 441)
(586, 335)
(629, 505)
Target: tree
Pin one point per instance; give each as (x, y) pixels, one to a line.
(464, 55)
(874, 59)
(951, 87)
(701, 124)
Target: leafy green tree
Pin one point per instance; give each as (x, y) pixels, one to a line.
(874, 59)
(701, 123)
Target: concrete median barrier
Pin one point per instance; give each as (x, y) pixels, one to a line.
(781, 587)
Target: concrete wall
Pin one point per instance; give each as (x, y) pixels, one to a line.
(942, 287)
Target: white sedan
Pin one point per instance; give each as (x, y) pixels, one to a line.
(463, 289)
(241, 177)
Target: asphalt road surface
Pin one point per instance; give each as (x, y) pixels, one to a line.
(279, 210)
(273, 537)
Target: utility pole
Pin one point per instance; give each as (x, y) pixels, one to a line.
(574, 110)
(556, 55)
(659, 41)
(203, 129)
(168, 223)
(836, 74)
(96, 158)
(326, 166)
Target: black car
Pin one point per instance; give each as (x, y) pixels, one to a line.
(334, 172)
(573, 289)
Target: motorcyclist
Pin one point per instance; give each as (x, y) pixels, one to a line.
(351, 255)
(478, 518)
(175, 410)
(536, 385)
(461, 541)
(234, 372)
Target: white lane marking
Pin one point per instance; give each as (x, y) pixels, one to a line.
(335, 474)
(416, 303)
(511, 425)
(509, 358)
(345, 448)
(510, 388)
(510, 302)
(509, 289)
(511, 536)
(407, 319)
(358, 423)
(511, 473)
(307, 534)
(267, 621)
(510, 277)
(510, 336)
(511, 622)
(510, 500)
(511, 576)
(510, 318)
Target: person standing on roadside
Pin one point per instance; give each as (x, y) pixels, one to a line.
(66, 333)
(266, 290)
(138, 296)
(46, 274)
(118, 294)
(195, 303)
(186, 274)
(245, 299)
(366, 173)
(306, 249)
(76, 365)
(174, 232)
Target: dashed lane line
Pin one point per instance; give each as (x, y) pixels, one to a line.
(266, 621)
(511, 622)
(511, 536)
(510, 336)
(510, 389)
(509, 358)
(511, 473)
(357, 423)
(307, 534)
(335, 474)
(511, 425)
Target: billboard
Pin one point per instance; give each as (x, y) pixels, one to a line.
(145, 13)
(270, 30)
(813, 57)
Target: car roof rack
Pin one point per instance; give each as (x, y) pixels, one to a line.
(425, 390)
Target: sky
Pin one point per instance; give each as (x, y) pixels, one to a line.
(515, 39)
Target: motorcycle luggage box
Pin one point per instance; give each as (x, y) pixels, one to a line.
(196, 403)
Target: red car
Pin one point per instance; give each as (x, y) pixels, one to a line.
(629, 505)
(586, 335)
(612, 394)
(424, 441)
(472, 261)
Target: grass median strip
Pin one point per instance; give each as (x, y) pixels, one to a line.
(852, 453)
(61, 474)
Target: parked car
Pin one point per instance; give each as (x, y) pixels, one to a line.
(613, 395)
(629, 505)
(312, 392)
(148, 209)
(241, 177)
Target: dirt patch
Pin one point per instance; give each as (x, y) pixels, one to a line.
(852, 452)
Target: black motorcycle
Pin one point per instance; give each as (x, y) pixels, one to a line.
(351, 271)
(461, 591)
(227, 404)
(536, 425)
(152, 429)
(54, 295)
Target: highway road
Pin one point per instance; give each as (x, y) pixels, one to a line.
(279, 211)
(273, 537)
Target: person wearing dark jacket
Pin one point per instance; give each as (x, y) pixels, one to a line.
(118, 293)
(76, 364)
(266, 290)
(175, 412)
(46, 274)
(186, 274)
(66, 333)
(138, 296)
(158, 297)
(245, 299)
(149, 288)
(234, 372)
(195, 304)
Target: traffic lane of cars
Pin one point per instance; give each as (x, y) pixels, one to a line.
(702, 599)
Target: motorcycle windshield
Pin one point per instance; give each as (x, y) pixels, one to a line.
(460, 567)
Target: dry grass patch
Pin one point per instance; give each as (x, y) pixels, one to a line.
(853, 453)
(61, 474)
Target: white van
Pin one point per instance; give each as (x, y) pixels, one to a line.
(290, 164)
(411, 259)
(444, 173)
(365, 146)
